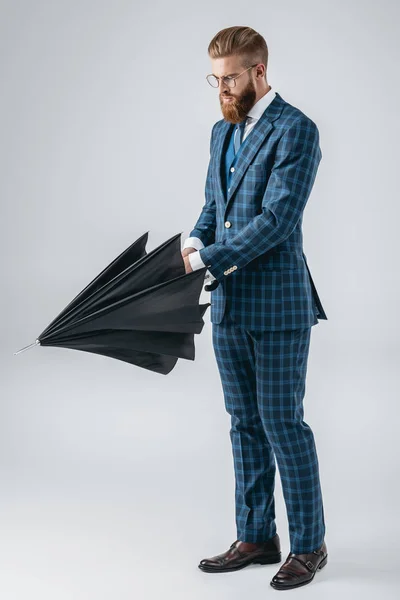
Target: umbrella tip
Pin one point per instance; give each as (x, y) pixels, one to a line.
(35, 343)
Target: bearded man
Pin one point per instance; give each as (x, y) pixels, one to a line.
(264, 156)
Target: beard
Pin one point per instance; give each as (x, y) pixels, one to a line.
(236, 109)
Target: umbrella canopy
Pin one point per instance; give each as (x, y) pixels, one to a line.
(143, 308)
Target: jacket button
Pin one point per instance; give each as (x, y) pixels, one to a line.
(232, 169)
(227, 223)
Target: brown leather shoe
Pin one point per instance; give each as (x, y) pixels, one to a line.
(241, 554)
(299, 569)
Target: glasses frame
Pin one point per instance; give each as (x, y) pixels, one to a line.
(224, 77)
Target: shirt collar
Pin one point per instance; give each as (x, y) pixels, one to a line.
(257, 110)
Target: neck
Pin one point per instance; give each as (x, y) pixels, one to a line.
(262, 92)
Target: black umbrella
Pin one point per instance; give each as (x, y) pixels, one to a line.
(143, 309)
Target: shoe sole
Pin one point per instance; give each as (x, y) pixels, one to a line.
(289, 587)
(267, 560)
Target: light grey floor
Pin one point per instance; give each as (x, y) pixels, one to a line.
(116, 482)
(101, 544)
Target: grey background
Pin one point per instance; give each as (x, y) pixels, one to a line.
(116, 481)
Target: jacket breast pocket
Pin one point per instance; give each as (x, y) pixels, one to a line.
(256, 177)
(257, 170)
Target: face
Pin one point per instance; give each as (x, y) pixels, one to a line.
(236, 101)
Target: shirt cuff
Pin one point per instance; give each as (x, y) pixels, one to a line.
(209, 276)
(197, 263)
(193, 242)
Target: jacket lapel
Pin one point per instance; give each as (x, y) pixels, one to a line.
(250, 147)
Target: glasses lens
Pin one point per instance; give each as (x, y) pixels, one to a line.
(212, 80)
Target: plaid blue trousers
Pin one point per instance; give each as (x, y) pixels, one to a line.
(263, 380)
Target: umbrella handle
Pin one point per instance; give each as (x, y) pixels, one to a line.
(209, 287)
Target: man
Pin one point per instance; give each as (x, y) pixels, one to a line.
(264, 156)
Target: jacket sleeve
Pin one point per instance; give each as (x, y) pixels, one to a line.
(204, 228)
(292, 176)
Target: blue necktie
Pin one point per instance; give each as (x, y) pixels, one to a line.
(239, 134)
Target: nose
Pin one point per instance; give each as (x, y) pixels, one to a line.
(223, 86)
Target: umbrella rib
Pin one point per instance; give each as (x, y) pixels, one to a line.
(193, 274)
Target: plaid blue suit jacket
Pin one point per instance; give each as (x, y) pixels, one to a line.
(253, 233)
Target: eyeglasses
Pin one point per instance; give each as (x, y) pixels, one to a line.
(227, 79)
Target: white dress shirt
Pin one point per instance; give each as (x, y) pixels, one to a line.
(252, 117)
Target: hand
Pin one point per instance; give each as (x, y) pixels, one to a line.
(187, 251)
(188, 267)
